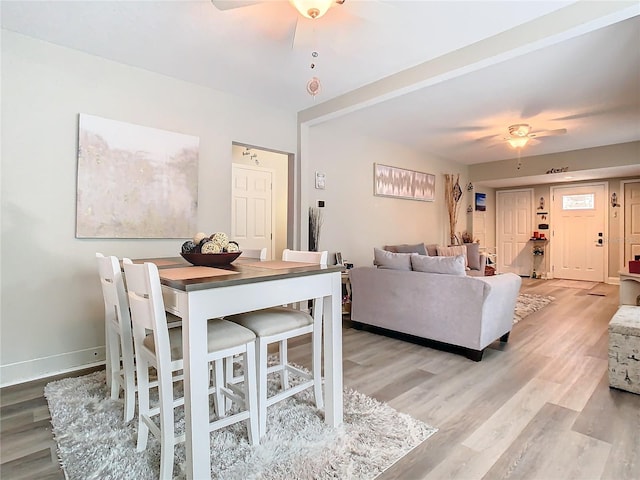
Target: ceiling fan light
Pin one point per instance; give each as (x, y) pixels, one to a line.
(519, 130)
(518, 142)
(312, 8)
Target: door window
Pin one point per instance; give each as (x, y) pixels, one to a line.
(584, 201)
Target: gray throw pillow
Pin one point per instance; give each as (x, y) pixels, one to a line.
(473, 255)
(448, 265)
(392, 261)
(418, 248)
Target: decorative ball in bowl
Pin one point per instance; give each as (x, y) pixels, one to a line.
(210, 259)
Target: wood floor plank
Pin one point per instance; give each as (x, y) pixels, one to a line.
(576, 391)
(37, 465)
(548, 449)
(613, 416)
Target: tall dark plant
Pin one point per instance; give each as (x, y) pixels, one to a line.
(315, 223)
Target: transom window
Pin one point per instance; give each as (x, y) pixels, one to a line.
(585, 201)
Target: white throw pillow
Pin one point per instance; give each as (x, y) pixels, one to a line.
(446, 265)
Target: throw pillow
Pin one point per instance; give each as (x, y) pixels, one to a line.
(432, 249)
(392, 261)
(453, 251)
(446, 265)
(473, 255)
(418, 248)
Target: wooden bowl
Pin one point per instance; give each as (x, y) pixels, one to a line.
(210, 259)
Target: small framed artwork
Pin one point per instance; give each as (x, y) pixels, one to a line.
(338, 258)
(481, 202)
(402, 183)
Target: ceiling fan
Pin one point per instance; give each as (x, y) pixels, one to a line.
(307, 13)
(307, 8)
(520, 134)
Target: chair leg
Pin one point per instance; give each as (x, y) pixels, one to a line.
(113, 362)
(129, 386)
(165, 394)
(284, 373)
(229, 378)
(250, 394)
(261, 370)
(143, 402)
(219, 398)
(107, 347)
(317, 354)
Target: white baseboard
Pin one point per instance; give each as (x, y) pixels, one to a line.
(613, 280)
(20, 372)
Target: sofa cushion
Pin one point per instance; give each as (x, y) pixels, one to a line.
(447, 265)
(453, 251)
(473, 255)
(392, 261)
(418, 248)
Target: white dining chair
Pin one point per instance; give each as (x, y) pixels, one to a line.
(162, 349)
(118, 335)
(257, 253)
(278, 325)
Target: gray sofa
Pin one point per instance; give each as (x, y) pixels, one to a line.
(459, 310)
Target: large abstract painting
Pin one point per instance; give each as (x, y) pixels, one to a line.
(135, 181)
(402, 183)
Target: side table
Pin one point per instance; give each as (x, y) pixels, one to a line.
(629, 288)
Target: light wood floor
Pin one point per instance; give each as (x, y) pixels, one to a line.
(538, 407)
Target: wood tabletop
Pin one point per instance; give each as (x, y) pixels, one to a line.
(241, 271)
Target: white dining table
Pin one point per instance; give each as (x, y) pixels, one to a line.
(244, 286)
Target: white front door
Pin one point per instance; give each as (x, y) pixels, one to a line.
(578, 232)
(631, 221)
(251, 207)
(514, 224)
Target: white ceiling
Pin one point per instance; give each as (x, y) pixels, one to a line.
(561, 64)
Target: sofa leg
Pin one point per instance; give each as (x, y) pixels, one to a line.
(505, 337)
(475, 355)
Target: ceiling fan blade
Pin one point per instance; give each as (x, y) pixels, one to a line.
(488, 138)
(230, 4)
(548, 133)
(460, 128)
(616, 109)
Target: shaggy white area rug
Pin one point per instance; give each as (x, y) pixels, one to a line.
(527, 303)
(95, 443)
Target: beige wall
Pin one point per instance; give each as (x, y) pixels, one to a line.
(355, 220)
(52, 316)
(278, 162)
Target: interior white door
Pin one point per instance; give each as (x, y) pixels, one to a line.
(578, 232)
(480, 228)
(251, 207)
(514, 224)
(631, 221)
